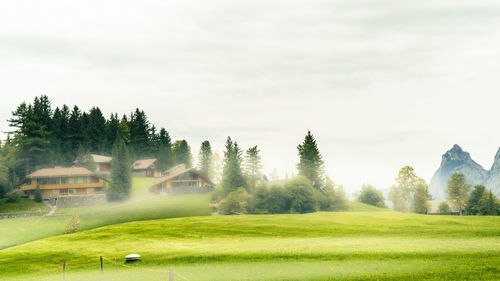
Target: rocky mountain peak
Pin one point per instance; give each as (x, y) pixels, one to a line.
(456, 153)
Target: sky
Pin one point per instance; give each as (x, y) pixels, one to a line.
(381, 84)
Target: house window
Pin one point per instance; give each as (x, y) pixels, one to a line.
(71, 180)
(44, 181)
(80, 179)
(64, 180)
(53, 181)
(71, 191)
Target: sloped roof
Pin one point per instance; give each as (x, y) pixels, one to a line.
(180, 172)
(143, 164)
(60, 172)
(101, 158)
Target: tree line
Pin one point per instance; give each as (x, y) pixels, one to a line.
(244, 189)
(46, 137)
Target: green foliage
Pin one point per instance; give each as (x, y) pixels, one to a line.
(444, 208)
(473, 207)
(182, 153)
(121, 178)
(20, 206)
(235, 203)
(371, 196)
(73, 223)
(205, 158)
(38, 194)
(253, 166)
(13, 197)
(311, 162)
(458, 190)
(331, 198)
(300, 195)
(164, 159)
(410, 192)
(85, 159)
(232, 175)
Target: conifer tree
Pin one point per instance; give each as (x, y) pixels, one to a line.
(96, 131)
(490, 206)
(253, 166)
(164, 159)
(232, 175)
(311, 164)
(205, 158)
(121, 179)
(182, 153)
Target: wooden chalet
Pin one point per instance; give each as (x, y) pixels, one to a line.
(54, 182)
(145, 168)
(182, 180)
(103, 163)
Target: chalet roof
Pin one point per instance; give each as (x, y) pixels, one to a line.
(178, 172)
(101, 159)
(143, 164)
(60, 172)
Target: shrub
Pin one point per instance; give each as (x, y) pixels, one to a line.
(73, 223)
(444, 208)
(13, 197)
(38, 194)
(371, 196)
(300, 195)
(235, 203)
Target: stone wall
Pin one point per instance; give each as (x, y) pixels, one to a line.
(69, 201)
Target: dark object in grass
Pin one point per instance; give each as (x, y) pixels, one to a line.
(132, 258)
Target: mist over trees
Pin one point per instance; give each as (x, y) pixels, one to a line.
(409, 194)
(371, 196)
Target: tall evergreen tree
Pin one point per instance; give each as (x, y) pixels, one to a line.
(491, 209)
(205, 158)
(164, 159)
(139, 134)
(473, 207)
(111, 130)
(121, 178)
(232, 175)
(311, 164)
(182, 153)
(75, 130)
(253, 166)
(96, 131)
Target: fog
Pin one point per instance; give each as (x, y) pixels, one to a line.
(381, 85)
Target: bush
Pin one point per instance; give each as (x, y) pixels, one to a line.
(13, 197)
(444, 208)
(371, 196)
(235, 203)
(331, 198)
(73, 223)
(300, 194)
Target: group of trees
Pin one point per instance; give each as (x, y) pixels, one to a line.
(410, 193)
(244, 190)
(479, 201)
(46, 137)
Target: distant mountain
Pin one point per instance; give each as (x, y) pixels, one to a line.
(456, 160)
(493, 180)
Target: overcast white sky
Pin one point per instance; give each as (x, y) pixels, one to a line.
(381, 84)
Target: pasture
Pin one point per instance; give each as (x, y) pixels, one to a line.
(380, 245)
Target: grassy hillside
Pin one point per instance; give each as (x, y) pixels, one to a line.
(319, 246)
(21, 206)
(142, 206)
(355, 206)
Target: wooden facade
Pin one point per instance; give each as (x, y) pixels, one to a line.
(63, 181)
(183, 181)
(145, 168)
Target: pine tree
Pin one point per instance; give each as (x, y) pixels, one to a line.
(232, 175)
(164, 159)
(473, 207)
(139, 134)
(38, 194)
(205, 158)
(490, 206)
(311, 164)
(253, 166)
(96, 131)
(121, 179)
(182, 153)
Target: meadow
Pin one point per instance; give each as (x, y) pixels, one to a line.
(143, 205)
(359, 245)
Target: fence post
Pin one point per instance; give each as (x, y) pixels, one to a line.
(101, 266)
(64, 269)
(171, 275)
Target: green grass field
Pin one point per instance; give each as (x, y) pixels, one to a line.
(21, 206)
(142, 206)
(380, 245)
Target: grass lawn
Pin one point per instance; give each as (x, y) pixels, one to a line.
(142, 206)
(319, 246)
(21, 206)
